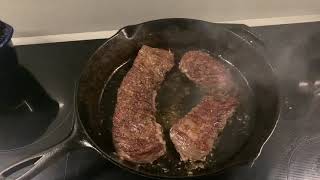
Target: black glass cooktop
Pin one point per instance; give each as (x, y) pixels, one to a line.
(40, 97)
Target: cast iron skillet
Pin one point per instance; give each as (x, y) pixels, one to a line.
(95, 97)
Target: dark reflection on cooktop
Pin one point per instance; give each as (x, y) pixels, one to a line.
(26, 110)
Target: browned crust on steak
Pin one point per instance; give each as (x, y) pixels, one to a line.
(136, 134)
(195, 134)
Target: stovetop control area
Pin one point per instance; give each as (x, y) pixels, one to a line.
(37, 107)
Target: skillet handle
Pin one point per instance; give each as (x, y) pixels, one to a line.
(43, 159)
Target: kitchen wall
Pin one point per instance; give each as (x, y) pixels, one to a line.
(43, 17)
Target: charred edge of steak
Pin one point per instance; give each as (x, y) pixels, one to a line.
(136, 134)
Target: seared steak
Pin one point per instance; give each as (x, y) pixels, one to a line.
(207, 72)
(196, 133)
(136, 134)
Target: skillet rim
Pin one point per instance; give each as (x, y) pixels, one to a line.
(216, 172)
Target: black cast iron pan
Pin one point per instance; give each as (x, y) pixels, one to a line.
(95, 97)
